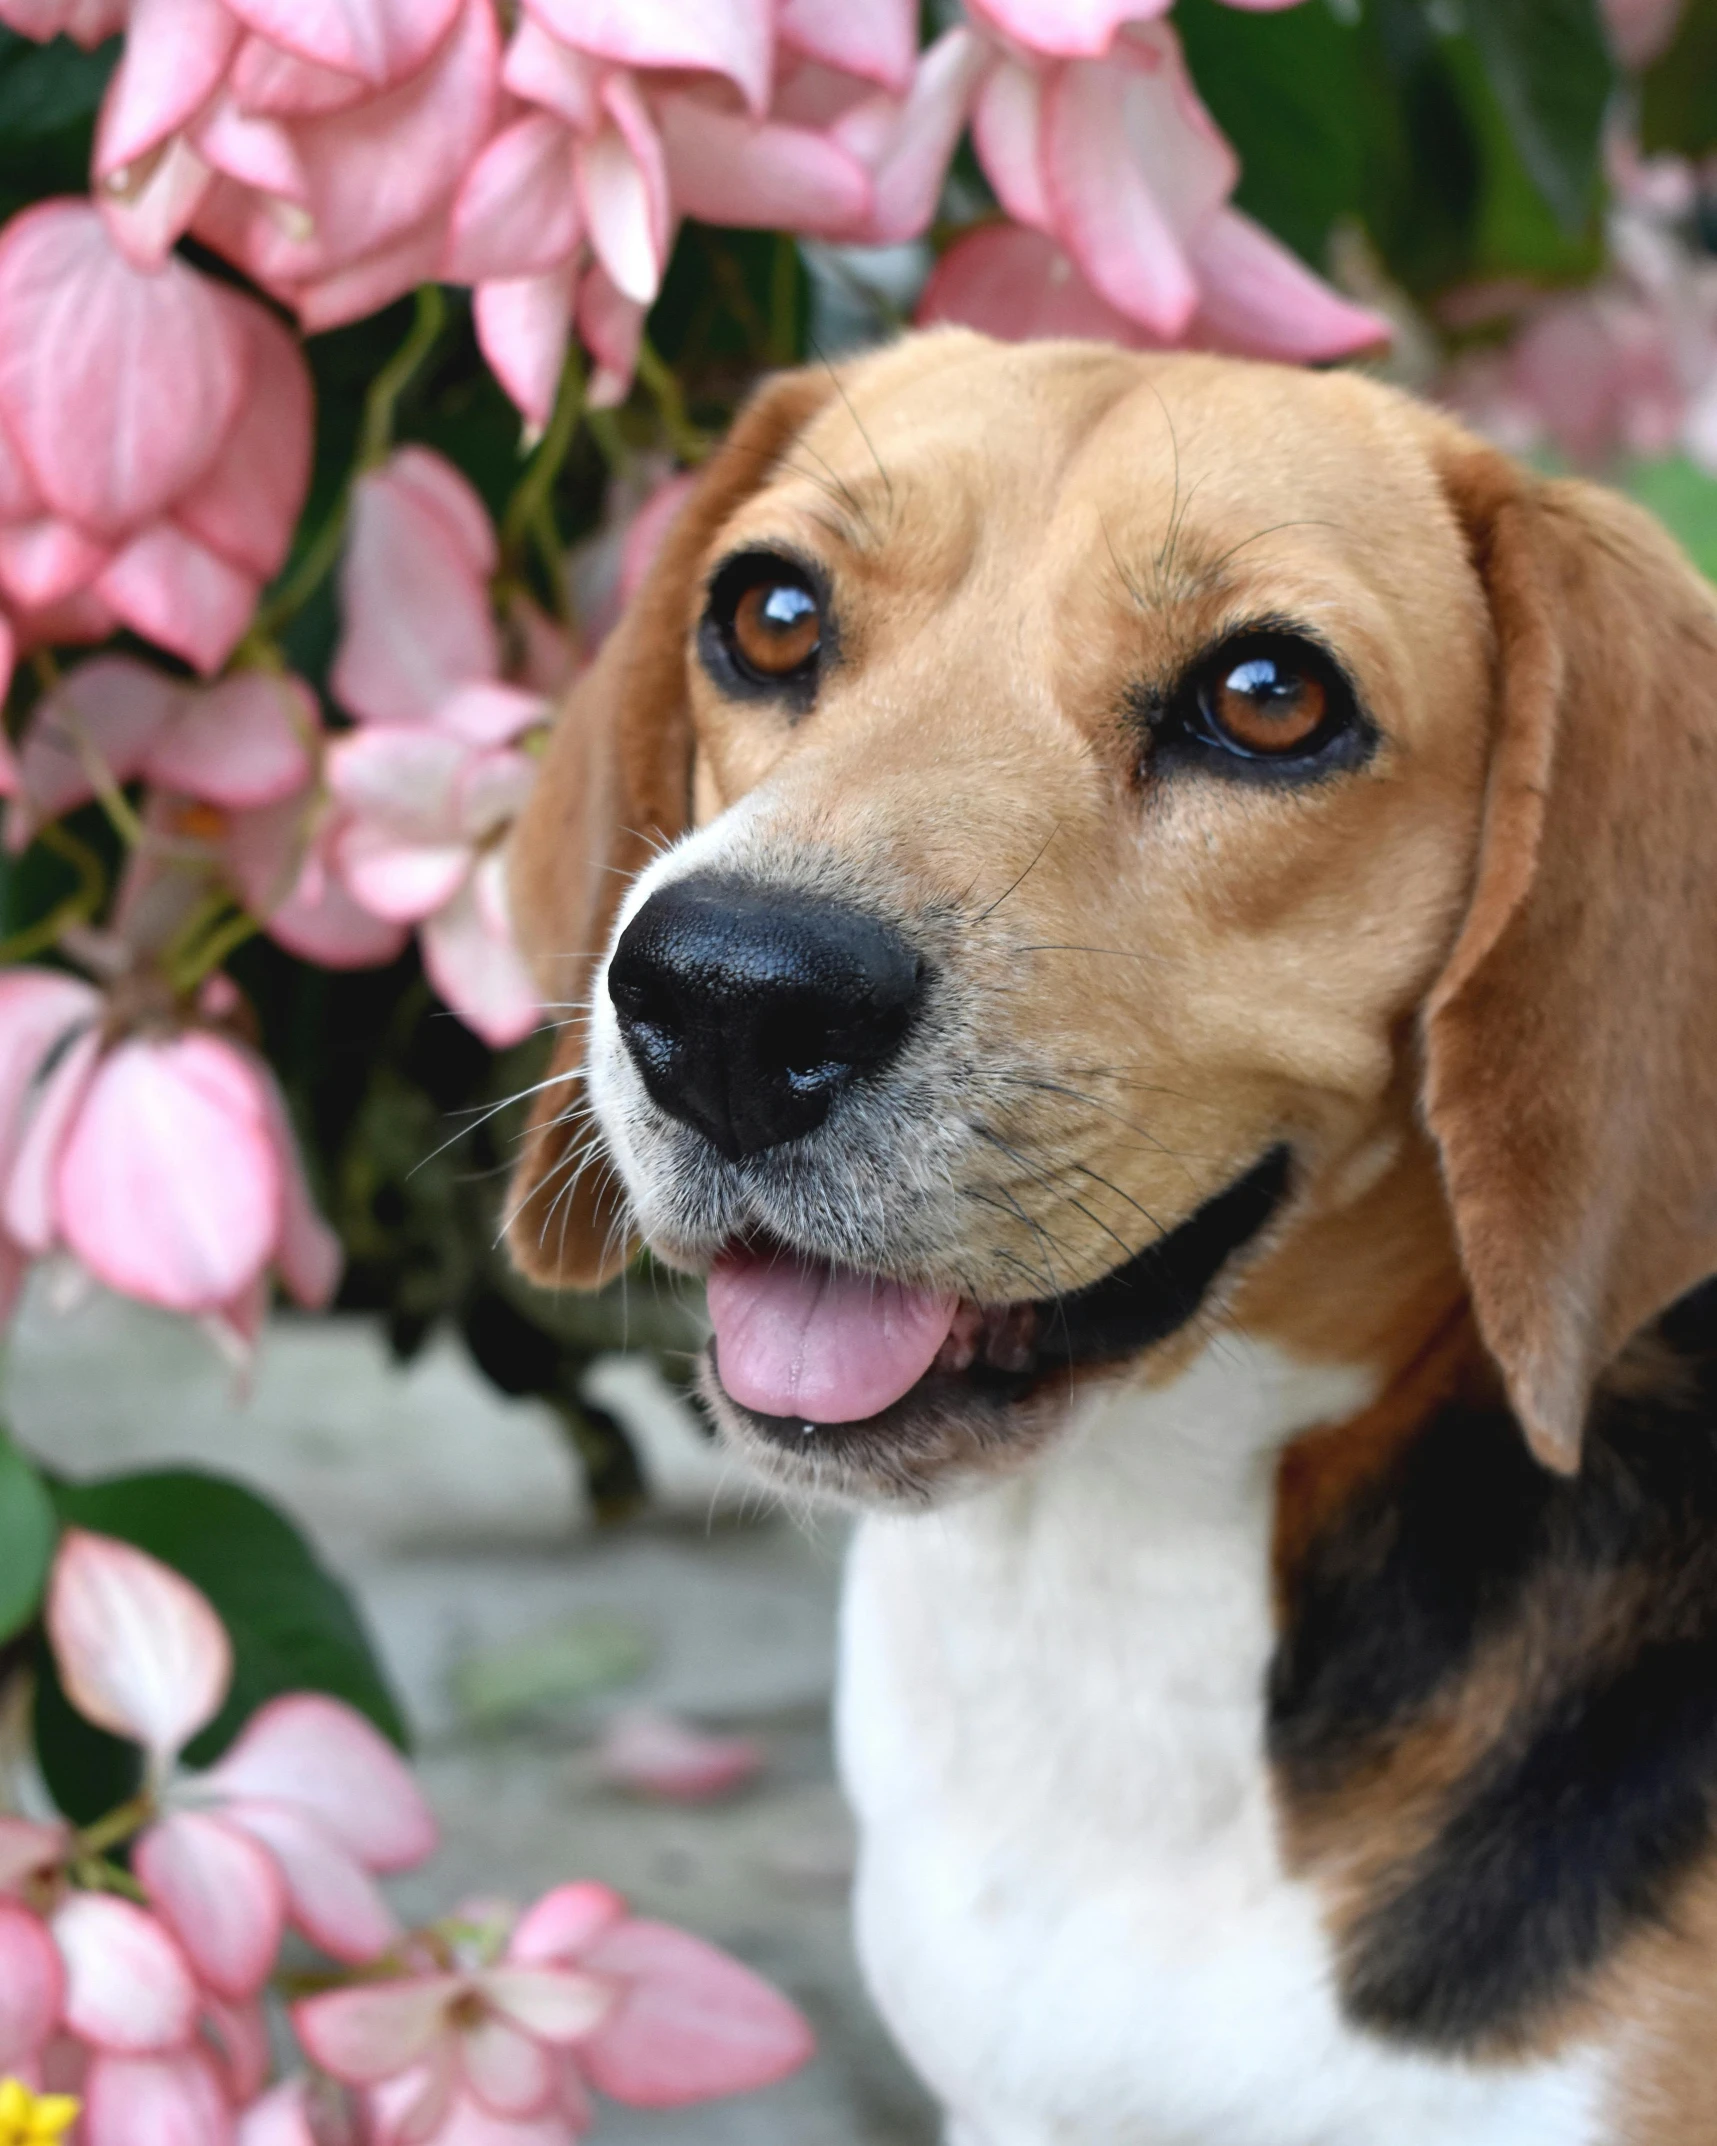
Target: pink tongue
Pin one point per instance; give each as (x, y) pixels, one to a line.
(800, 1340)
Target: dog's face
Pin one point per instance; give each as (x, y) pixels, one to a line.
(1088, 759)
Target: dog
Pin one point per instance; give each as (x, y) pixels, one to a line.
(1150, 923)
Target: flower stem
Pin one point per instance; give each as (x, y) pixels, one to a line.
(79, 907)
(530, 511)
(93, 1841)
(688, 442)
(375, 438)
(206, 952)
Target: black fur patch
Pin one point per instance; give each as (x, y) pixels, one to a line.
(1600, 1792)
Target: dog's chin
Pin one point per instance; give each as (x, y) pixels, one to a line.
(1007, 1381)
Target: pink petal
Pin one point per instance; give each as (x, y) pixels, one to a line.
(517, 212)
(395, 877)
(378, 169)
(1257, 298)
(566, 1921)
(87, 22)
(648, 529)
(403, 776)
(507, 2071)
(612, 327)
(169, 1187)
(38, 1008)
(256, 151)
(128, 1989)
(370, 2033)
(493, 792)
(32, 1987)
(728, 169)
(468, 2123)
(492, 714)
(238, 2039)
(266, 79)
(317, 1754)
(27, 1851)
(155, 2101)
(117, 387)
(330, 1896)
(1640, 30)
(659, 1756)
(692, 2024)
(175, 56)
(309, 1256)
(478, 971)
(138, 1648)
(541, 70)
(623, 192)
(1007, 128)
(147, 209)
(558, 2005)
(878, 41)
(219, 1893)
(173, 590)
(245, 741)
(416, 601)
(1017, 284)
(524, 325)
(247, 505)
(116, 707)
(908, 168)
(45, 560)
(1104, 209)
(285, 881)
(733, 39)
(280, 2118)
(380, 41)
(29, 1209)
(440, 490)
(1071, 29)
(373, 280)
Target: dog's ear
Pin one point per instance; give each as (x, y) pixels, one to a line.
(1571, 1042)
(615, 786)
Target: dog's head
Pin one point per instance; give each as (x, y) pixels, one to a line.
(1160, 833)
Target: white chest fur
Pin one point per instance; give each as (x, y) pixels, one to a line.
(1071, 1905)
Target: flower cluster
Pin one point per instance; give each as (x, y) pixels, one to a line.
(137, 1988)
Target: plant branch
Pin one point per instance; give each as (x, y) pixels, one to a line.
(530, 511)
(81, 906)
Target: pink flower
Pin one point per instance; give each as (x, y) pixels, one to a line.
(1095, 140)
(318, 146)
(163, 1159)
(288, 1826)
(432, 779)
(1642, 30)
(32, 1990)
(822, 120)
(154, 442)
(504, 2044)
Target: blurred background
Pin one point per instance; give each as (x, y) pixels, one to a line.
(349, 373)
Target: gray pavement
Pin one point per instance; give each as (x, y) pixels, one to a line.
(510, 1625)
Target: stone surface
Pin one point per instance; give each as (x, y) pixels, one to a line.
(510, 1625)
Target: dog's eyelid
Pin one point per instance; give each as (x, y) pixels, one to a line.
(1181, 715)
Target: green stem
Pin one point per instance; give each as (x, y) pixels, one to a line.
(688, 443)
(375, 437)
(206, 954)
(94, 1841)
(532, 503)
(109, 795)
(78, 907)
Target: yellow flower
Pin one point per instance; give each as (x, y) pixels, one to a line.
(28, 2119)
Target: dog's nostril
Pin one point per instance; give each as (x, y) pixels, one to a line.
(747, 1012)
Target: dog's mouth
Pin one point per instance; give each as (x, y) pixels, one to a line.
(801, 1347)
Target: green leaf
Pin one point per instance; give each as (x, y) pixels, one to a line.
(293, 1627)
(1684, 499)
(1550, 67)
(28, 1531)
(49, 95)
(1678, 96)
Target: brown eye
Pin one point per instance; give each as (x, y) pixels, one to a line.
(776, 628)
(1268, 704)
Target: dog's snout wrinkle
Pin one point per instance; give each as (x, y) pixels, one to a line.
(747, 1010)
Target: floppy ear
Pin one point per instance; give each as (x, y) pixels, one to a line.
(1571, 1043)
(616, 785)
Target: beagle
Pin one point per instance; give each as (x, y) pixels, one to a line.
(1150, 922)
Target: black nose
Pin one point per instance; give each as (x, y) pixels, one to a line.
(747, 1012)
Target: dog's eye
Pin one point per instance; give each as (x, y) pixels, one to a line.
(763, 630)
(776, 627)
(1269, 699)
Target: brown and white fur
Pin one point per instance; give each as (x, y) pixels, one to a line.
(1254, 1742)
